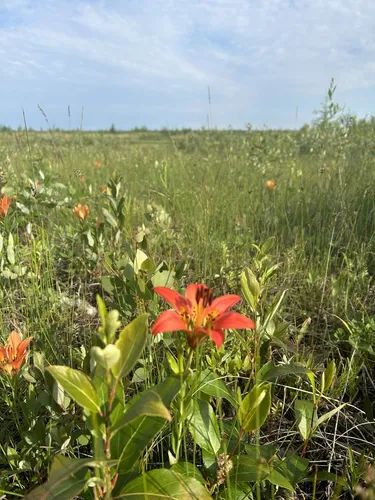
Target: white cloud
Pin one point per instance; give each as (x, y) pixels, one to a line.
(238, 47)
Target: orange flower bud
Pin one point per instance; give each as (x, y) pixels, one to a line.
(4, 206)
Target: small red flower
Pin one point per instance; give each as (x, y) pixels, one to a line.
(271, 185)
(13, 354)
(4, 206)
(81, 211)
(97, 164)
(199, 314)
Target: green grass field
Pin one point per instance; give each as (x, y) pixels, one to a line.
(180, 207)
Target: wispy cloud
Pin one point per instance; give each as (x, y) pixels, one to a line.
(151, 61)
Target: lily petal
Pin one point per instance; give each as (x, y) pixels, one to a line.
(175, 299)
(221, 304)
(14, 340)
(168, 321)
(233, 320)
(191, 293)
(17, 363)
(23, 345)
(218, 337)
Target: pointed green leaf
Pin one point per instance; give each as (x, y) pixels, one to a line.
(109, 217)
(131, 342)
(204, 427)
(255, 407)
(269, 372)
(77, 385)
(102, 309)
(164, 484)
(250, 287)
(128, 444)
(148, 404)
(304, 411)
(328, 415)
(90, 239)
(275, 477)
(106, 357)
(10, 250)
(215, 387)
(247, 469)
(188, 469)
(328, 376)
(293, 468)
(66, 480)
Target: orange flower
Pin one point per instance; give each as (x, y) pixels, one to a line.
(271, 185)
(37, 184)
(82, 178)
(81, 211)
(13, 354)
(4, 206)
(105, 189)
(97, 164)
(199, 315)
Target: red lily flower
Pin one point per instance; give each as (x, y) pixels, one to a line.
(4, 206)
(13, 354)
(199, 314)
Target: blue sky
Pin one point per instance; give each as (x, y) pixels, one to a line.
(149, 62)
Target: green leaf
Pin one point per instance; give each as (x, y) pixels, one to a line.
(149, 403)
(101, 387)
(250, 287)
(263, 452)
(77, 385)
(106, 357)
(22, 207)
(131, 342)
(255, 407)
(247, 469)
(172, 362)
(58, 393)
(128, 444)
(304, 411)
(270, 272)
(164, 483)
(204, 427)
(10, 250)
(163, 278)
(293, 468)
(328, 415)
(268, 244)
(90, 239)
(215, 387)
(328, 376)
(276, 478)
(269, 372)
(1, 242)
(323, 475)
(109, 218)
(66, 480)
(140, 259)
(102, 309)
(189, 469)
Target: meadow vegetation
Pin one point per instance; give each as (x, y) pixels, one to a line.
(107, 406)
